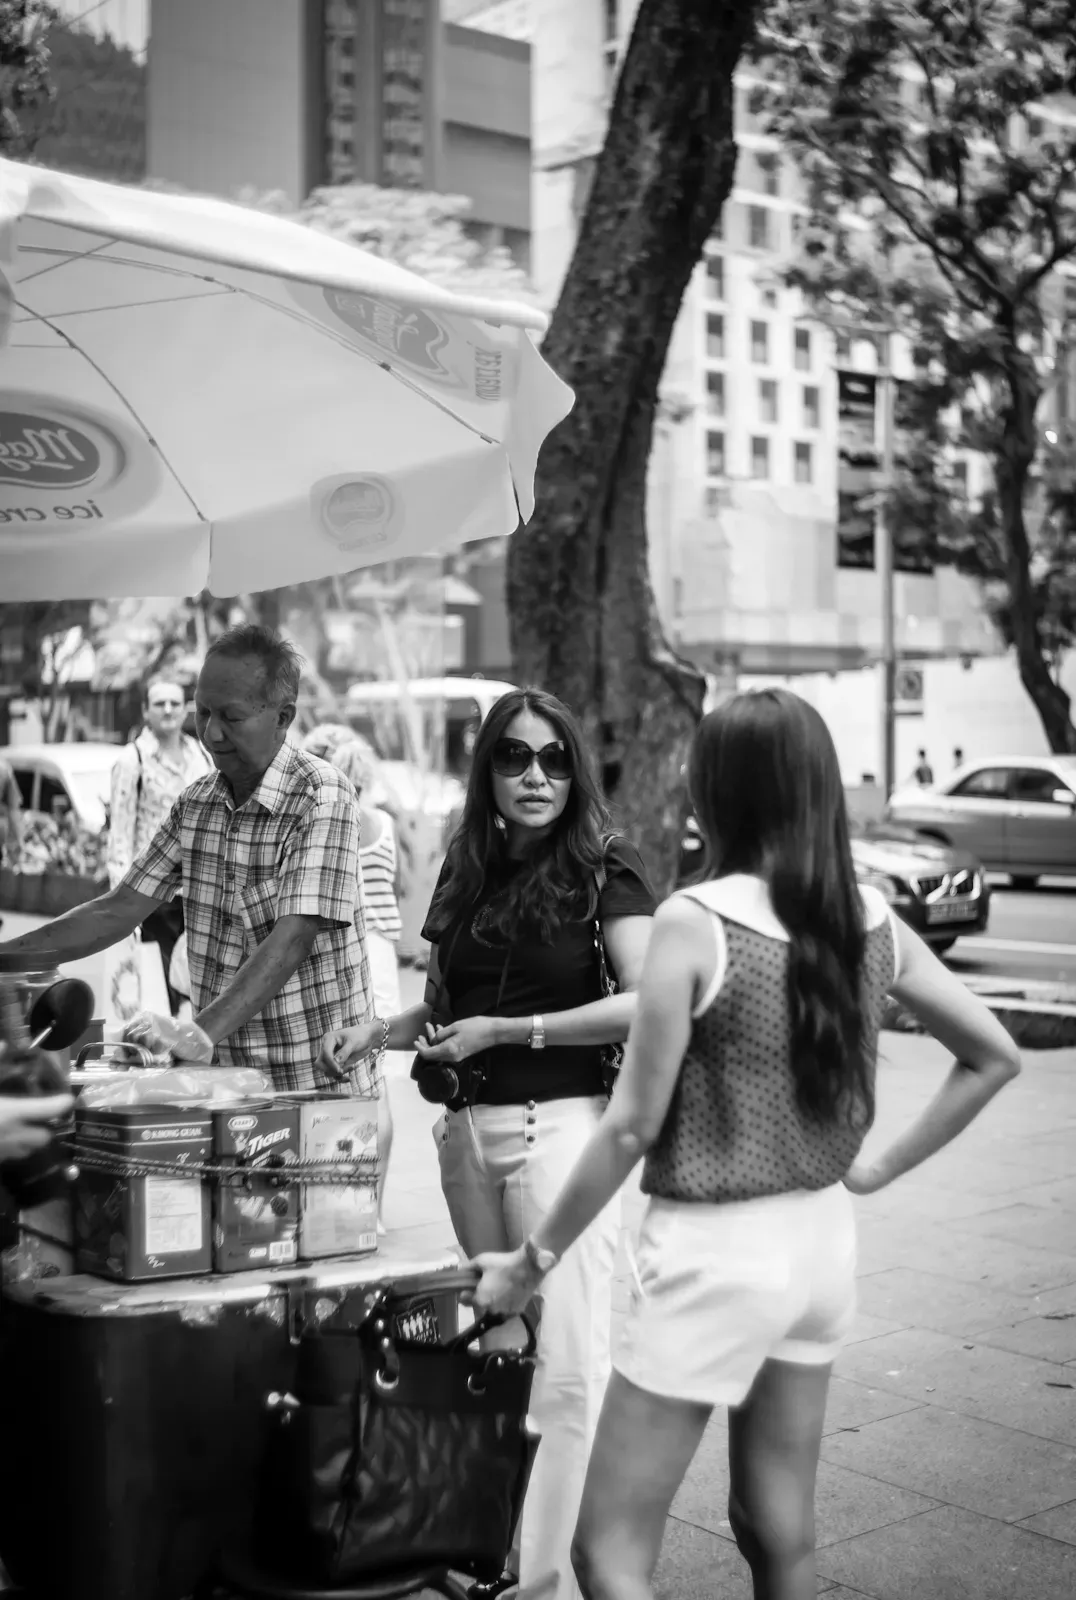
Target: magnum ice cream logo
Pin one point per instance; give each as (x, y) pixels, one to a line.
(414, 339)
(45, 453)
(361, 513)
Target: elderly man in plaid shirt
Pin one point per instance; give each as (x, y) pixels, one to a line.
(265, 851)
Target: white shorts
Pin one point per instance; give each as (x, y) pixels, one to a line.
(724, 1288)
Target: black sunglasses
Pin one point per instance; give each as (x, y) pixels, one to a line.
(512, 757)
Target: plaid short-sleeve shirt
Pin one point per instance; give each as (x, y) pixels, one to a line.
(291, 849)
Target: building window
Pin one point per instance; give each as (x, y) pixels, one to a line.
(612, 22)
(719, 227)
(812, 409)
(768, 173)
(803, 349)
(804, 470)
(758, 227)
(760, 343)
(844, 347)
(715, 393)
(715, 277)
(715, 455)
(715, 337)
(760, 458)
(767, 400)
(960, 479)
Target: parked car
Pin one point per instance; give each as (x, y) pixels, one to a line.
(65, 777)
(1017, 814)
(940, 892)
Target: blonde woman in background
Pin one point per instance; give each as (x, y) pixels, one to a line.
(379, 860)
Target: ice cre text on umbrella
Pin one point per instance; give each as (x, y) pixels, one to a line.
(77, 513)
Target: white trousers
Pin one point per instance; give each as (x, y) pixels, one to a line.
(501, 1169)
(384, 973)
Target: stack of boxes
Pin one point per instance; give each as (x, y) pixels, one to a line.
(136, 1227)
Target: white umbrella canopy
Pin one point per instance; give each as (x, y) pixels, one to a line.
(197, 395)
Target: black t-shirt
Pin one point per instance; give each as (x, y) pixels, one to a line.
(538, 979)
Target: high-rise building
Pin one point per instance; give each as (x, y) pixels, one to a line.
(289, 94)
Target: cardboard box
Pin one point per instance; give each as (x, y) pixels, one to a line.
(136, 1228)
(338, 1219)
(256, 1213)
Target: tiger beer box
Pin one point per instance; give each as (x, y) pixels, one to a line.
(338, 1219)
(131, 1225)
(255, 1207)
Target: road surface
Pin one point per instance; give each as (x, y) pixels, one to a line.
(1030, 936)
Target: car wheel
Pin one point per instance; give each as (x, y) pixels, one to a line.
(1024, 880)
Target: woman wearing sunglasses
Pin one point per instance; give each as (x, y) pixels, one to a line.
(533, 893)
(749, 1088)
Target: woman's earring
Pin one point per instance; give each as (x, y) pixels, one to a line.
(499, 822)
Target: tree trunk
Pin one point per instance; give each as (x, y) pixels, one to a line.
(582, 613)
(1013, 468)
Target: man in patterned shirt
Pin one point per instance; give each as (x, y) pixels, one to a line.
(265, 852)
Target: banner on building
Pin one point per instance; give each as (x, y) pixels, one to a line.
(859, 474)
(857, 469)
(910, 544)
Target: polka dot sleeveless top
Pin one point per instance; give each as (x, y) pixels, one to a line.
(734, 1129)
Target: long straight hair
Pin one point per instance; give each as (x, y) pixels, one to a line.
(558, 883)
(767, 791)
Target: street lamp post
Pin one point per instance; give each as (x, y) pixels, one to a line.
(884, 429)
(883, 538)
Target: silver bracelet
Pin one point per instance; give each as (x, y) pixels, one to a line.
(386, 1028)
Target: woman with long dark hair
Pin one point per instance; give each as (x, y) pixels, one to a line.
(748, 1085)
(535, 899)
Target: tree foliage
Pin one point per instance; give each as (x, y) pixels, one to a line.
(937, 144)
(25, 84)
(582, 613)
(95, 122)
(426, 233)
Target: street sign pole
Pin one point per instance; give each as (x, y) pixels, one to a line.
(884, 557)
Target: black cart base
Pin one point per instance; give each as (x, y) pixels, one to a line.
(133, 1415)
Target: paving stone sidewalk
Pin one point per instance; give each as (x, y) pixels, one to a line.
(948, 1467)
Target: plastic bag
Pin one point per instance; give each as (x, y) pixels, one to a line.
(169, 1038)
(179, 975)
(175, 1086)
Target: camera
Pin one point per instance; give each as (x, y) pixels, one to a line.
(444, 1085)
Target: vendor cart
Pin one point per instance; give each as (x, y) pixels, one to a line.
(134, 1415)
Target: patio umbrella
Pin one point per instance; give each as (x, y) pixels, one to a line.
(194, 394)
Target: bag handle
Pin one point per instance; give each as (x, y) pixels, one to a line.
(606, 980)
(486, 1324)
(465, 1278)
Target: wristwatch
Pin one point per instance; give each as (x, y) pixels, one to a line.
(543, 1261)
(537, 1038)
